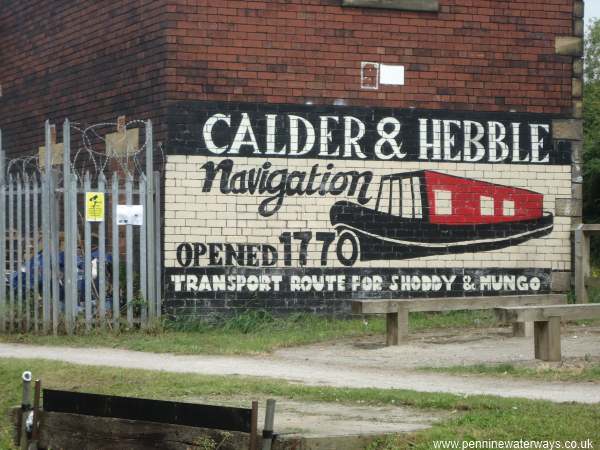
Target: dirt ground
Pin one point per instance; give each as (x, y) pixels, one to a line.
(318, 419)
(580, 347)
(366, 362)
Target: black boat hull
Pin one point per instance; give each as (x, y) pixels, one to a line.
(383, 236)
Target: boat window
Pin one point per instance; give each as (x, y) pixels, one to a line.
(486, 205)
(407, 198)
(383, 204)
(396, 198)
(416, 184)
(443, 202)
(508, 208)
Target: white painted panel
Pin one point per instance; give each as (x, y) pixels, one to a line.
(443, 202)
(396, 197)
(486, 205)
(391, 74)
(508, 208)
(417, 195)
(407, 198)
(384, 200)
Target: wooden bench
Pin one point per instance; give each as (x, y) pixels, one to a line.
(546, 320)
(396, 311)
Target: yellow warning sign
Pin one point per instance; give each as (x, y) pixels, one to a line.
(94, 206)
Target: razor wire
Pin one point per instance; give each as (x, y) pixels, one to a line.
(90, 154)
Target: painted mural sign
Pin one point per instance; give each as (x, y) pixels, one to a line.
(295, 201)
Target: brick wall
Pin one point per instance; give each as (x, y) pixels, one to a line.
(92, 61)
(178, 62)
(482, 55)
(89, 61)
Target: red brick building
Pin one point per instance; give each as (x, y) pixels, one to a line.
(508, 69)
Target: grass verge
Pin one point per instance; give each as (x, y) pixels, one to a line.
(471, 418)
(252, 332)
(589, 373)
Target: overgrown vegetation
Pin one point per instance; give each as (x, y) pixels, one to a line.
(250, 332)
(468, 418)
(591, 126)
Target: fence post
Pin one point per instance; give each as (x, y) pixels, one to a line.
(115, 252)
(145, 264)
(36, 257)
(28, 264)
(19, 242)
(149, 219)
(46, 195)
(74, 245)
(11, 251)
(102, 258)
(2, 236)
(87, 250)
(68, 269)
(129, 253)
(55, 249)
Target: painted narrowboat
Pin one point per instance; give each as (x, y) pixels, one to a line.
(426, 213)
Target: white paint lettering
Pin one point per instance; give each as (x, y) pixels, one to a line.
(243, 131)
(389, 137)
(352, 142)
(207, 132)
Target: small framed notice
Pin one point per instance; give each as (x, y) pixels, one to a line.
(94, 206)
(130, 214)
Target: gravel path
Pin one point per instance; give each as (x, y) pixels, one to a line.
(365, 364)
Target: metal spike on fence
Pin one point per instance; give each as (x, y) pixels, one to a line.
(102, 260)
(149, 217)
(36, 257)
(74, 239)
(115, 252)
(143, 254)
(19, 255)
(27, 242)
(11, 251)
(88, 260)
(129, 252)
(19, 251)
(54, 249)
(69, 270)
(2, 236)
(46, 195)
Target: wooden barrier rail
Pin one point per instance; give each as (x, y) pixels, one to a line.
(396, 311)
(546, 321)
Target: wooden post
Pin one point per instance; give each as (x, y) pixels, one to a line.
(547, 339)
(267, 435)
(397, 326)
(254, 426)
(391, 327)
(33, 445)
(582, 264)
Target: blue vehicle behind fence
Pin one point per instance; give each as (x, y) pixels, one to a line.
(28, 270)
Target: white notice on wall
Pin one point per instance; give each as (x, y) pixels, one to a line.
(130, 214)
(391, 74)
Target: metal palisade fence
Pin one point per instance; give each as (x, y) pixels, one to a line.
(81, 234)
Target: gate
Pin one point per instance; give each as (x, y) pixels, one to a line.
(80, 233)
